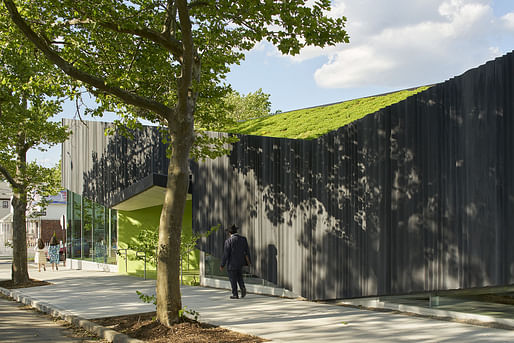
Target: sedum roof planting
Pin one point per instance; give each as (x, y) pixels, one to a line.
(313, 122)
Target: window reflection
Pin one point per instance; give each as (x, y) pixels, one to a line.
(114, 238)
(77, 227)
(92, 230)
(99, 234)
(87, 228)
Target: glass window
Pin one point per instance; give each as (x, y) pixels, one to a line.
(113, 237)
(87, 229)
(5, 203)
(91, 230)
(69, 221)
(76, 227)
(100, 233)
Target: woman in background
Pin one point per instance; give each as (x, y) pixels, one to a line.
(53, 252)
(41, 254)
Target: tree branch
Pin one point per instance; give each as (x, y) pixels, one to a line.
(28, 145)
(164, 39)
(97, 82)
(9, 178)
(198, 3)
(186, 78)
(169, 22)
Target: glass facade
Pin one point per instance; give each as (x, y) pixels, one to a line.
(92, 232)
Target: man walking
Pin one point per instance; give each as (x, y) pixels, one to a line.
(235, 256)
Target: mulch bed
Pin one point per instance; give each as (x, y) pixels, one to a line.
(31, 283)
(143, 326)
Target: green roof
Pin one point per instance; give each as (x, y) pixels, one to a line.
(313, 122)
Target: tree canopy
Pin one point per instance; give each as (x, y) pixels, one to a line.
(30, 92)
(242, 107)
(166, 61)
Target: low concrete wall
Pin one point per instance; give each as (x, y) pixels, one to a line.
(90, 265)
(250, 288)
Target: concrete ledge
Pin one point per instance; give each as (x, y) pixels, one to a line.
(90, 265)
(101, 331)
(431, 312)
(250, 288)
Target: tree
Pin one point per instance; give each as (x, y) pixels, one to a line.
(49, 184)
(250, 106)
(165, 61)
(24, 112)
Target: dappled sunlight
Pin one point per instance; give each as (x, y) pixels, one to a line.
(97, 295)
(414, 197)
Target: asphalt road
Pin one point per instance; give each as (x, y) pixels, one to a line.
(21, 325)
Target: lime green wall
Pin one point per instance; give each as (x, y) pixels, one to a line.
(131, 222)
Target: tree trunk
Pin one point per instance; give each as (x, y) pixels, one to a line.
(20, 274)
(170, 227)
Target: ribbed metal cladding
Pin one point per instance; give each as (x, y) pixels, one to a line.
(110, 169)
(418, 196)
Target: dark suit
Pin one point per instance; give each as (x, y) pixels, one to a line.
(235, 253)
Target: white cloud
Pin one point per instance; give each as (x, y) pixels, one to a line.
(403, 43)
(356, 62)
(338, 9)
(412, 54)
(508, 20)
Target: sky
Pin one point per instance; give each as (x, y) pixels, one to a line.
(394, 45)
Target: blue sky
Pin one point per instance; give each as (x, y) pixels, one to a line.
(394, 44)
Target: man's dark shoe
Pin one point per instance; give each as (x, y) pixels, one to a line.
(234, 297)
(243, 292)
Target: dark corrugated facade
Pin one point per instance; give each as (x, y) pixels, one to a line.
(111, 169)
(416, 197)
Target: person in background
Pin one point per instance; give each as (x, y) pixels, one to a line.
(62, 253)
(53, 252)
(40, 257)
(235, 256)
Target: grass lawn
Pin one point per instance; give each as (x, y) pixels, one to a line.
(313, 122)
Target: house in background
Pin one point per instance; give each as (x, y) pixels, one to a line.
(40, 222)
(415, 196)
(5, 199)
(45, 222)
(5, 218)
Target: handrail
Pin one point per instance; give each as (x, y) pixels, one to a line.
(144, 255)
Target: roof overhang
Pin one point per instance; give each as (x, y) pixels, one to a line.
(149, 192)
(153, 196)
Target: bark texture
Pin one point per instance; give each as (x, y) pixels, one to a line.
(20, 274)
(168, 270)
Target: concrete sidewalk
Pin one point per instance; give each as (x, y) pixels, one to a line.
(88, 295)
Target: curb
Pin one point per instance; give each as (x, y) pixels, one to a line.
(481, 318)
(431, 312)
(54, 311)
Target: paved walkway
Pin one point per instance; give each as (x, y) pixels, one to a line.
(99, 294)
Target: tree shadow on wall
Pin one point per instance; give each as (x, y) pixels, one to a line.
(119, 163)
(307, 199)
(393, 203)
